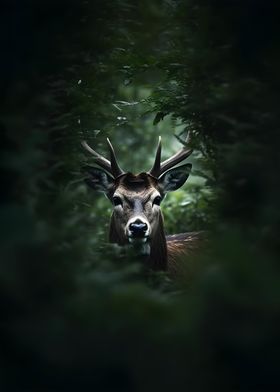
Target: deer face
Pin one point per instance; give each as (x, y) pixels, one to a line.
(136, 201)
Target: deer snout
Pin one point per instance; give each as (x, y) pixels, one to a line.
(137, 228)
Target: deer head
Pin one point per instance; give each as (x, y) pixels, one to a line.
(136, 199)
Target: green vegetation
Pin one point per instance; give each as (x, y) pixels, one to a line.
(76, 315)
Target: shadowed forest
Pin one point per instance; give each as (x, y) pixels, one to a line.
(75, 315)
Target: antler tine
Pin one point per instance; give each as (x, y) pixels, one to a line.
(160, 168)
(99, 159)
(175, 159)
(156, 167)
(116, 170)
(110, 166)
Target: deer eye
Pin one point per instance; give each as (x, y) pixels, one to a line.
(157, 200)
(117, 201)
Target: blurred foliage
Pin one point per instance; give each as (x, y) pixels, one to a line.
(76, 313)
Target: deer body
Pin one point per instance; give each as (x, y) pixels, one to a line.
(137, 220)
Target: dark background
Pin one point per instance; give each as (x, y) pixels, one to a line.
(74, 316)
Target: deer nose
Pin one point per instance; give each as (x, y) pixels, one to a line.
(138, 228)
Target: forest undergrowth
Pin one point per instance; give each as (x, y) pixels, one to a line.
(76, 315)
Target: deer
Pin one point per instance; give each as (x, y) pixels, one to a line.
(137, 220)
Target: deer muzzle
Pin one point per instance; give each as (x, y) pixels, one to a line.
(138, 229)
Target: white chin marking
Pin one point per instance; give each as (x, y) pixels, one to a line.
(137, 240)
(140, 245)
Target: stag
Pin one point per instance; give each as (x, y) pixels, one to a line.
(137, 219)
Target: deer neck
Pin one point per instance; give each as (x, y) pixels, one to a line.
(115, 235)
(158, 254)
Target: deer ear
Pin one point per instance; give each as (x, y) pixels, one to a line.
(98, 179)
(174, 178)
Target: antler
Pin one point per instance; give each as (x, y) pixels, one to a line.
(161, 167)
(110, 166)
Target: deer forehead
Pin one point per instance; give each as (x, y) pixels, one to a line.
(141, 186)
(138, 195)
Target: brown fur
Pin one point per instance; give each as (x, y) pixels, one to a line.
(182, 246)
(158, 259)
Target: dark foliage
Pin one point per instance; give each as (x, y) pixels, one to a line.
(75, 314)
